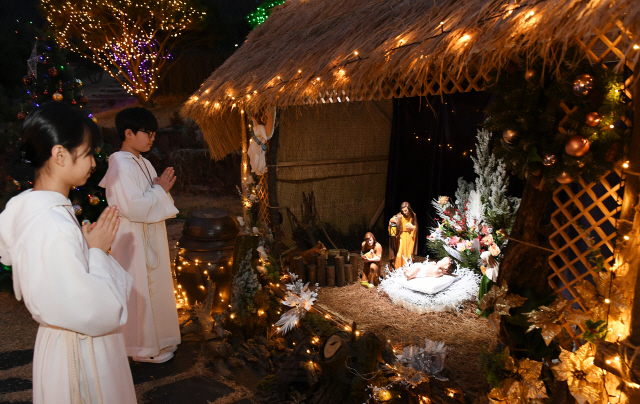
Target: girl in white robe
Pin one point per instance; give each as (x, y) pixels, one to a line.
(70, 285)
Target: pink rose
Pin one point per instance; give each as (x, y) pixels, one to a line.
(487, 240)
(494, 250)
(454, 240)
(485, 230)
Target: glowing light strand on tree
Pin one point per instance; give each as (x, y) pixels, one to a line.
(135, 37)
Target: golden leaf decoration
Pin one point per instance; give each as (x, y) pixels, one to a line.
(604, 298)
(501, 302)
(524, 384)
(547, 318)
(583, 377)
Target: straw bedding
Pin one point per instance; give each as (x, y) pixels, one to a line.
(463, 332)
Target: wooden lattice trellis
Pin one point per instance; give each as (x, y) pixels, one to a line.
(585, 219)
(263, 197)
(586, 213)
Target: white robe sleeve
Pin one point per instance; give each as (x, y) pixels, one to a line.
(62, 288)
(151, 206)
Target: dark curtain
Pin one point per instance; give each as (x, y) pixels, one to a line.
(431, 143)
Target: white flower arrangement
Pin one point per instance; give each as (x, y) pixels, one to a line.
(415, 364)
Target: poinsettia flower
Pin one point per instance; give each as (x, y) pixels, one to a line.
(583, 377)
(602, 298)
(501, 302)
(523, 385)
(547, 318)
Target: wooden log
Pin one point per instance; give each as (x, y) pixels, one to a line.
(313, 275)
(348, 274)
(331, 276)
(345, 255)
(331, 260)
(322, 271)
(339, 270)
(355, 265)
(297, 267)
(314, 259)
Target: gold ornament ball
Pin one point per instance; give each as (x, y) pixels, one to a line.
(582, 85)
(94, 200)
(57, 97)
(549, 160)
(577, 146)
(509, 135)
(564, 178)
(530, 75)
(592, 119)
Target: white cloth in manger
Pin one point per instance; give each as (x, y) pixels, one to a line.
(428, 285)
(450, 293)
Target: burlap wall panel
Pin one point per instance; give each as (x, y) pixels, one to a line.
(355, 134)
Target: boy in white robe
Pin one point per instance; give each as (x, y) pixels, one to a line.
(152, 332)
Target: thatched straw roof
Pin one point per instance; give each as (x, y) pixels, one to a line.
(314, 51)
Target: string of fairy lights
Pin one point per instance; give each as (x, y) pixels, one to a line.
(237, 99)
(132, 36)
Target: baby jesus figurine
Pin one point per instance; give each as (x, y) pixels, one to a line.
(445, 266)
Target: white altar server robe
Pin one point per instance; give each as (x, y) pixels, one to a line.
(77, 294)
(142, 248)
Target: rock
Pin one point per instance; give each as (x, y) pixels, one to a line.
(235, 362)
(261, 352)
(190, 328)
(220, 349)
(220, 367)
(261, 340)
(248, 356)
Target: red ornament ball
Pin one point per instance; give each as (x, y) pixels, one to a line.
(57, 97)
(22, 115)
(53, 72)
(564, 178)
(74, 102)
(45, 92)
(592, 119)
(577, 146)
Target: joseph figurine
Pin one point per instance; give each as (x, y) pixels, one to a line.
(403, 245)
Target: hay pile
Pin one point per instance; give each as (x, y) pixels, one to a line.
(463, 331)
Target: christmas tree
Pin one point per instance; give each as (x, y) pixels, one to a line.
(51, 79)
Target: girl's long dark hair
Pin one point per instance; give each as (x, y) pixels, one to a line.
(50, 125)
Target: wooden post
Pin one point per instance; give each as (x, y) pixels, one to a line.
(331, 260)
(348, 274)
(345, 255)
(339, 270)
(297, 267)
(355, 265)
(314, 259)
(313, 275)
(272, 181)
(322, 271)
(331, 276)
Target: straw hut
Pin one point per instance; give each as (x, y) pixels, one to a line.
(310, 58)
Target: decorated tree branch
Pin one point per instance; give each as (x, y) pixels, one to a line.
(130, 40)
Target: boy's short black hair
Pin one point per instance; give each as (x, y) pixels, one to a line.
(136, 119)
